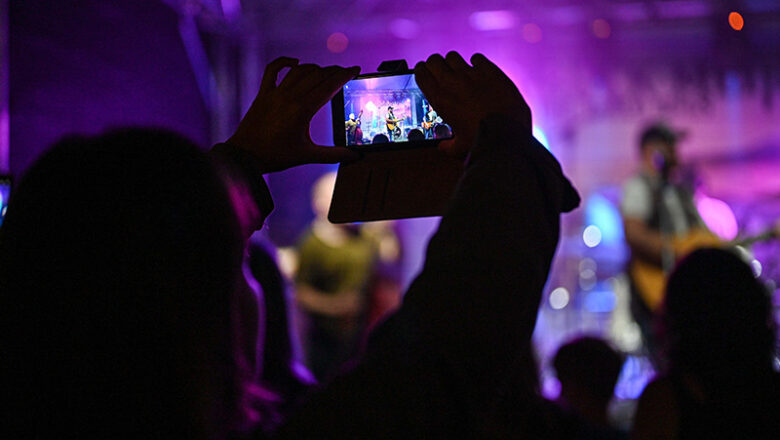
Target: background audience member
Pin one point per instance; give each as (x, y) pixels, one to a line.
(588, 369)
(380, 139)
(415, 134)
(719, 336)
(335, 264)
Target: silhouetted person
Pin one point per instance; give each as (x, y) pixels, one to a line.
(719, 336)
(122, 303)
(415, 134)
(455, 360)
(280, 356)
(588, 369)
(380, 139)
(442, 131)
(119, 264)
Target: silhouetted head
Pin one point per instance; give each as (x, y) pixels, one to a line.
(119, 261)
(380, 139)
(415, 134)
(717, 318)
(588, 369)
(442, 131)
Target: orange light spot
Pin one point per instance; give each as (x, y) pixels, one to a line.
(736, 21)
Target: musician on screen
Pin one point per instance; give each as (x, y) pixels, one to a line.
(428, 121)
(393, 129)
(658, 211)
(352, 125)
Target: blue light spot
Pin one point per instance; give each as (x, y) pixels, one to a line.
(599, 211)
(540, 136)
(600, 301)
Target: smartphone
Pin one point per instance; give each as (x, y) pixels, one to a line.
(5, 193)
(382, 111)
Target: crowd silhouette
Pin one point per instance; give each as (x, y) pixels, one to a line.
(127, 309)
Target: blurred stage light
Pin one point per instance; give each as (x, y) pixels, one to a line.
(588, 263)
(603, 214)
(532, 33)
(591, 236)
(492, 20)
(587, 279)
(718, 217)
(736, 21)
(540, 136)
(337, 42)
(600, 301)
(559, 298)
(601, 28)
(404, 28)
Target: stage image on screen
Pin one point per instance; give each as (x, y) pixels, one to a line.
(5, 193)
(389, 109)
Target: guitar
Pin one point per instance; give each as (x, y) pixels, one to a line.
(426, 125)
(650, 279)
(392, 124)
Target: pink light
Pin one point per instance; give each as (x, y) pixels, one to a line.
(337, 42)
(718, 217)
(492, 20)
(532, 33)
(404, 28)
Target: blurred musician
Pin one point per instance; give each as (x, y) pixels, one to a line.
(658, 214)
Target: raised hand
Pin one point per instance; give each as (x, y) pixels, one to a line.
(464, 95)
(275, 130)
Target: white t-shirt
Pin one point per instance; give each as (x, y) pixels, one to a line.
(637, 202)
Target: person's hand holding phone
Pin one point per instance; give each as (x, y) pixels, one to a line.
(275, 129)
(465, 94)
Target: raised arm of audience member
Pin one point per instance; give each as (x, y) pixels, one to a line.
(274, 133)
(438, 366)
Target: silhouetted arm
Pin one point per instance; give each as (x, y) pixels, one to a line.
(468, 316)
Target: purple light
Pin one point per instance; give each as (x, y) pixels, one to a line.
(683, 9)
(492, 20)
(404, 28)
(718, 217)
(631, 12)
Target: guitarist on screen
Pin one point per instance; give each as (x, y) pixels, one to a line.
(354, 133)
(393, 130)
(657, 210)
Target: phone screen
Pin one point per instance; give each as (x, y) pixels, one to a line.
(5, 193)
(386, 109)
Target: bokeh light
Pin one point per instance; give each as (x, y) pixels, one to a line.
(404, 28)
(492, 20)
(736, 21)
(559, 298)
(591, 236)
(601, 28)
(718, 217)
(532, 33)
(337, 42)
